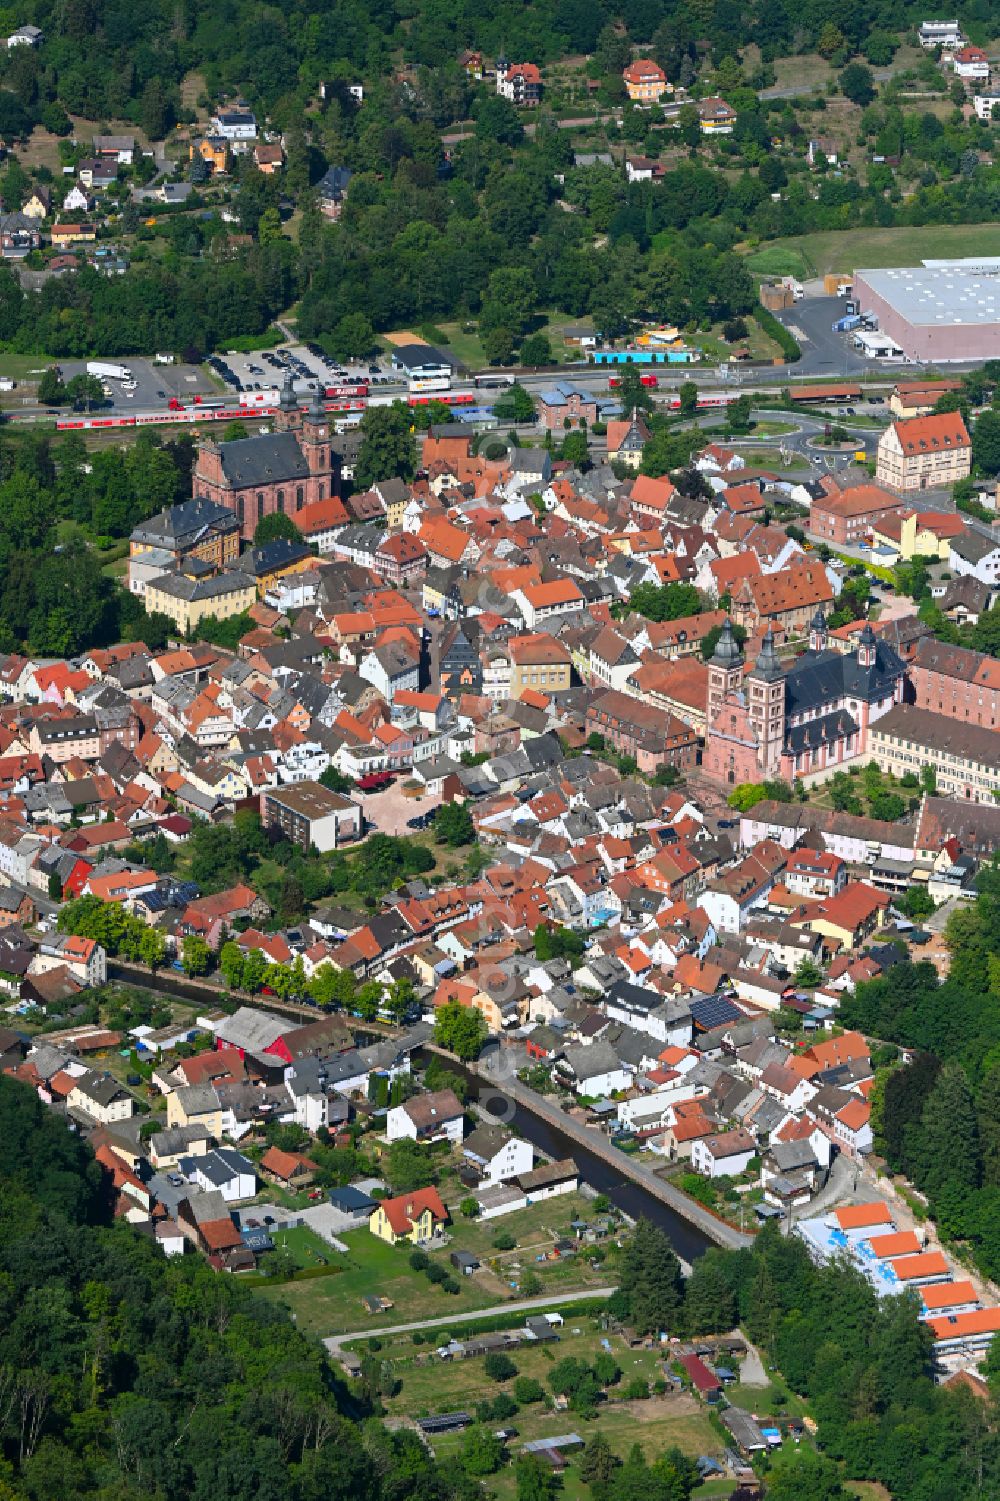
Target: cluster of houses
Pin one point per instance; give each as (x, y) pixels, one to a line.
(190, 1182)
(469, 636)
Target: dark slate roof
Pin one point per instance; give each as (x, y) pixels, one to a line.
(281, 553)
(333, 183)
(265, 459)
(184, 523)
(822, 731)
(827, 677)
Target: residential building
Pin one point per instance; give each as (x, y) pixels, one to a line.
(652, 736)
(496, 1154)
(924, 453)
(847, 517)
(645, 81)
(238, 126)
(416, 1217)
(956, 682)
(564, 403)
(971, 64)
(723, 1156)
(437, 1116)
(944, 34)
(198, 528)
(521, 83)
(716, 116)
(311, 815)
(101, 1098)
(539, 662)
(331, 191)
(789, 598)
(963, 755)
(973, 555)
(187, 601)
(626, 440)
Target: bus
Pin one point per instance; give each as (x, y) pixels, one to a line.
(486, 381)
(418, 383)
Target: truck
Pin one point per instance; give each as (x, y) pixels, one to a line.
(105, 371)
(847, 324)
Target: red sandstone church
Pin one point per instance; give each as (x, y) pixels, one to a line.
(280, 471)
(802, 721)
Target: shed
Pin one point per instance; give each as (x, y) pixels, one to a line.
(464, 1261)
(704, 1381)
(445, 1422)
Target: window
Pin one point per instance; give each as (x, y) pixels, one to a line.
(260, 504)
(281, 500)
(300, 498)
(239, 509)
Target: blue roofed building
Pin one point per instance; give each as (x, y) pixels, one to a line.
(564, 403)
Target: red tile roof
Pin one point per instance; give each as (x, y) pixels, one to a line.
(402, 1212)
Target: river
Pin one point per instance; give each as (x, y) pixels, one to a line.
(686, 1239)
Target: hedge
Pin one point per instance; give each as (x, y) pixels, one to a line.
(768, 324)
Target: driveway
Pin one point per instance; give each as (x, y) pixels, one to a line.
(752, 1372)
(448, 1320)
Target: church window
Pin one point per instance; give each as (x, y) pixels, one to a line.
(300, 496)
(281, 500)
(239, 509)
(260, 504)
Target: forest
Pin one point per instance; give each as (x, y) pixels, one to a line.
(937, 1119)
(55, 598)
(480, 230)
(125, 1374)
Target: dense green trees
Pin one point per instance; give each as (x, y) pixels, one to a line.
(650, 1285)
(54, 597)
(460, 1029)
(109, 1345)
(388, 448)
(937, 1116)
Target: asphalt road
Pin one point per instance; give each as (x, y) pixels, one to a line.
(446, 1320)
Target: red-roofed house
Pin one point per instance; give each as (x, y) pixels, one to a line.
(415, 1217)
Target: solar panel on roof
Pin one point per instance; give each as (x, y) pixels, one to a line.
(443, 1421)
(714, 1011)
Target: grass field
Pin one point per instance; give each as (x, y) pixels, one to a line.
(767, 458)
(467, 348)
(332, 1305)
(440, 1386)
(814, 255)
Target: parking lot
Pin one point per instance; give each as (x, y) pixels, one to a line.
(389, 811)
(265, 369)
(155, 384)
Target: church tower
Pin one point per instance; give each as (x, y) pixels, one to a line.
(288, 416)
(867, 647)
(765, 686)
(725, 670)
(818, 631)
(315, 440)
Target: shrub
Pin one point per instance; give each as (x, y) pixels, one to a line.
(527, 1389)
(498, 1366)
(419, 1261)
(504, 1241)
(636, 1389)
(435, 1273)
